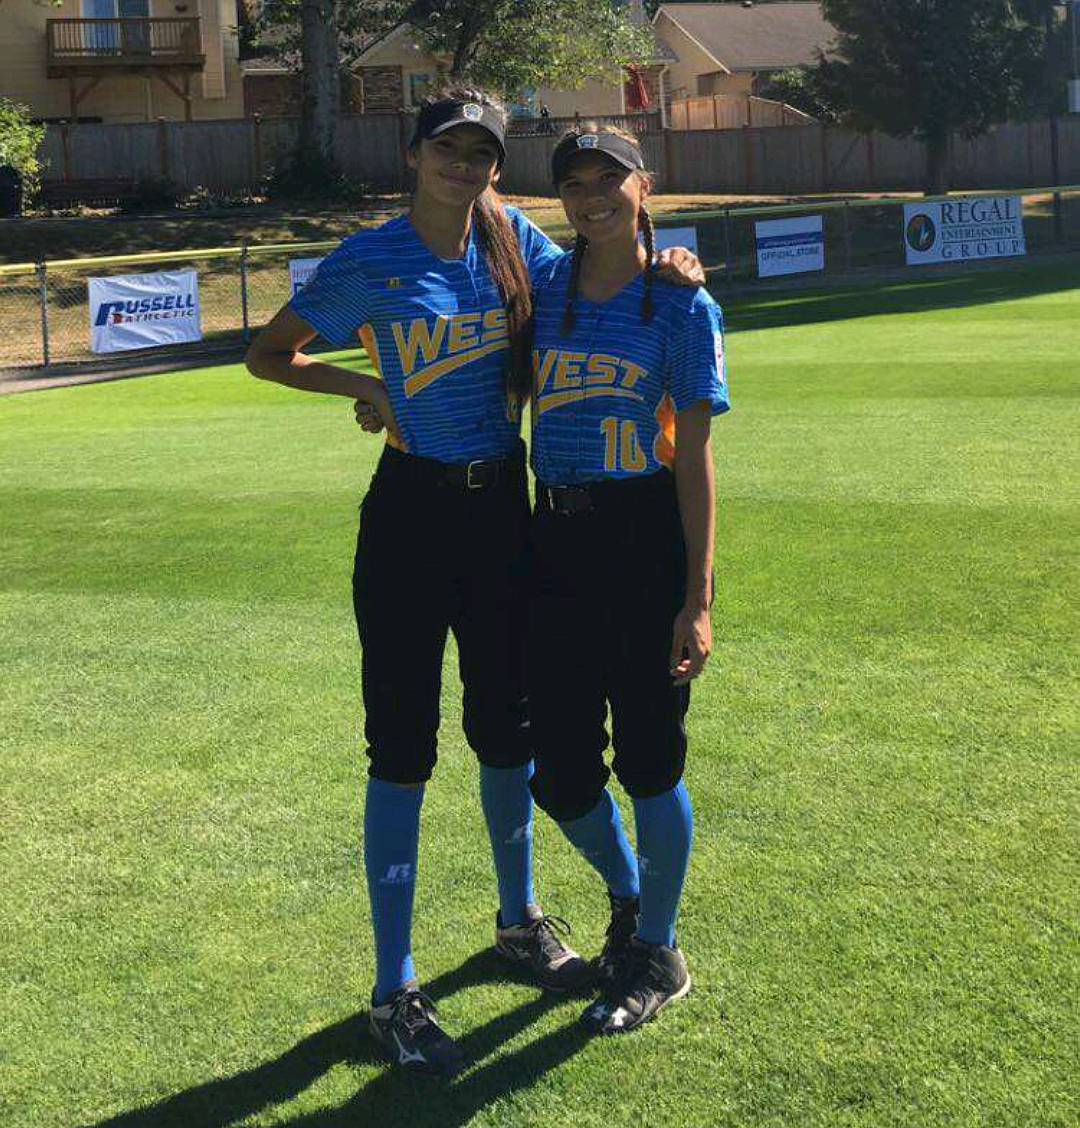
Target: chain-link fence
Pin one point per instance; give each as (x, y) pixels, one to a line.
(240, 288)
(863, 237)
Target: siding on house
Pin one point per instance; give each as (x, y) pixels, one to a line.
(217, 93)
(693, 59)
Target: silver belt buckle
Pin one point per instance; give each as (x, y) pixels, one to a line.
(469, 483)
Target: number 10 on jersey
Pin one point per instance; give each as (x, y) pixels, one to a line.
(622, 450)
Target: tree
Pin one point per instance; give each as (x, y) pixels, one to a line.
(799, 87)
(504, 45)
(930, 67)
(319, 89)
(19, 142)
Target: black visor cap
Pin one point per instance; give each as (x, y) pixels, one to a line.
(441, 116)
(623, 152)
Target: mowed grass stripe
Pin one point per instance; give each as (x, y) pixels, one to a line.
(881, 916)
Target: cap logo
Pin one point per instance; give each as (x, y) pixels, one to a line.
(589, 141)
(472, 111)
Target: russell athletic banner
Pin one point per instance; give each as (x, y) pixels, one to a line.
(300, 270)
(140, 311)
(954, 230)
(790, 246)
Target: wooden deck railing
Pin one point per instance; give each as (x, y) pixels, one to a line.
(123, 42)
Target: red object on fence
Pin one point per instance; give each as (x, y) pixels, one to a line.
(637, 96)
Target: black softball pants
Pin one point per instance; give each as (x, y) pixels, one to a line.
(606, 588)
(433, 557)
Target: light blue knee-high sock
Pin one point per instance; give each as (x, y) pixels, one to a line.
(601, 840)
(391, 840)
(508, 811)
(665, 827)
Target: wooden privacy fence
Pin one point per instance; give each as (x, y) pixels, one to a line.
(226, 155)
(234, 155)
(733, 111)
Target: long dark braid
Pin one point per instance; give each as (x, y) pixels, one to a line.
(576, 260)
(646, 227)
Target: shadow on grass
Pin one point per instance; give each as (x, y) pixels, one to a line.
(391, 1096)
(775, 308)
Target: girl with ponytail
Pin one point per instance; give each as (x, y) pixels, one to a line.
(628, 373)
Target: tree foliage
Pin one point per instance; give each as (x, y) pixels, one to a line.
(19, 142)
(503, 45)
(931, 67)
(800, 87)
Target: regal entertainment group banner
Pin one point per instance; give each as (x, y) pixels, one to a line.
(980, 227)
(140, 311)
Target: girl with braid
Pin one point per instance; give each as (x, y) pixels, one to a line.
(440, 297)
(628, 372)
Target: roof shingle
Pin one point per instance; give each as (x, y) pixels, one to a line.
(765, 36)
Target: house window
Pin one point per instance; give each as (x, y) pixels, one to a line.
(107, 37)
(419, 88)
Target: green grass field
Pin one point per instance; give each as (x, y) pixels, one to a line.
(882, 916)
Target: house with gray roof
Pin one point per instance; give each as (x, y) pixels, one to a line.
(731, 47)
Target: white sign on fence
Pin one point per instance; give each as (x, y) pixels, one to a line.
(300, 270)
(139, 311)
(790, 246)
(954, 230)
(675, 237)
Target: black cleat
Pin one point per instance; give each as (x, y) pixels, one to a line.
(405, 1028)
(612, 963)
(536, 946)
(655, 976)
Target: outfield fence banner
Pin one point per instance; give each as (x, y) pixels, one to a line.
(300, 270)
(790, 246)
(981, 227)
(676, 237)
(138, 311)
(241, 287)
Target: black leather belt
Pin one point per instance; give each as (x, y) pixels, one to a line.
(568, 501)
(480, 474)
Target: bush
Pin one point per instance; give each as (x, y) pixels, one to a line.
(19, 142)
(294, 179)
(153, 193)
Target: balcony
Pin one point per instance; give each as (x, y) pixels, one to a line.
(92, 46)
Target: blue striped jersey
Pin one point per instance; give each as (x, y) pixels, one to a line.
(606, 394)
(435, 330)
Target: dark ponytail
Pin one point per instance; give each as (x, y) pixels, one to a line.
(508, 271)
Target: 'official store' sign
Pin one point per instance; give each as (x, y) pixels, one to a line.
(955, 230)
(139, 311)
(790, 246)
